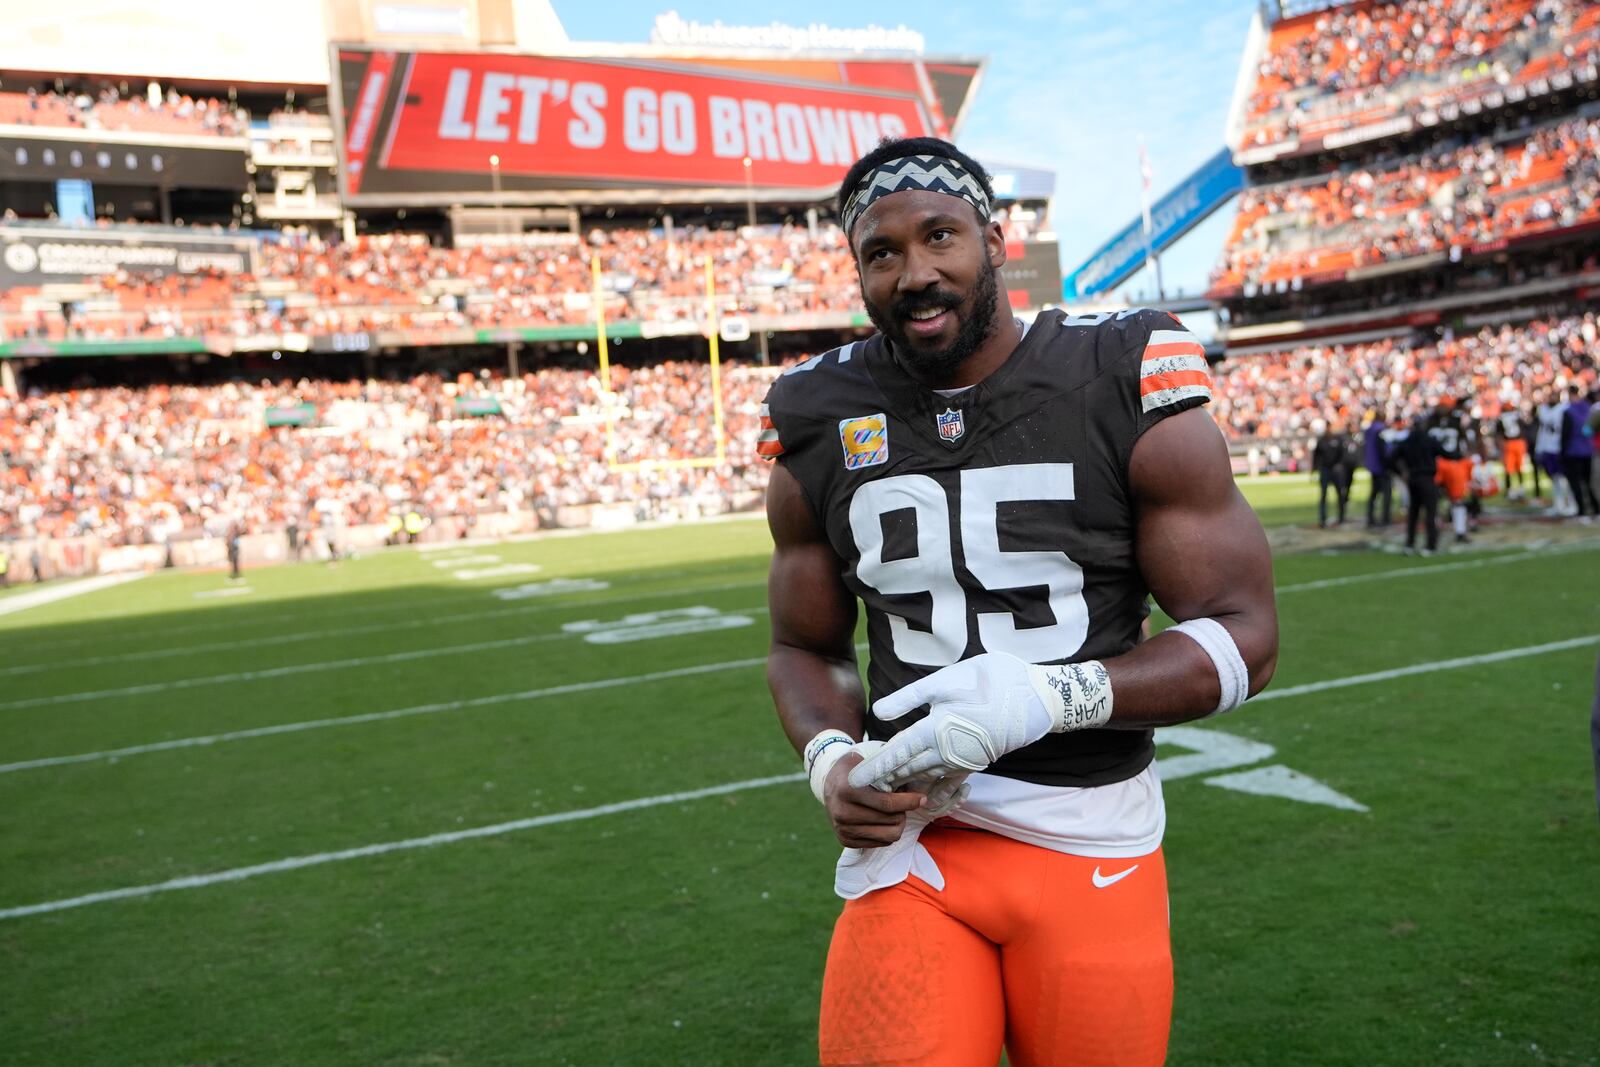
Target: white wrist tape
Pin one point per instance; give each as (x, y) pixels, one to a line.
(1077, 695)
(1218, 643)
(822, 752)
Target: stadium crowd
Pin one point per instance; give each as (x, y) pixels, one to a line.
(145, 465)
(1446, 201)
(1278, 397)
(107, 109)
(306, 283)
(1360, 64)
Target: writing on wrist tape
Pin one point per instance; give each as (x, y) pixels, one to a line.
(821, 753)
(1077, 695)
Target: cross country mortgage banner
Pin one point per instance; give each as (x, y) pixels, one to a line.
(440, 126)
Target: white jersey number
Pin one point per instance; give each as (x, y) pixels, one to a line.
(932, 569)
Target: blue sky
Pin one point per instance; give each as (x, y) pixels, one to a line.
(1071, 85)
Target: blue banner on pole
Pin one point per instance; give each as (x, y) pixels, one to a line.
(1213, 184)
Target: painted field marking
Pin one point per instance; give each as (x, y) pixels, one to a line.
(1426, 668)
(452, 562)
(502, 570)
(375, 628)
(239, 874)
(225, 591)
(380, 716)
(459, 598)
(1440, 568)
(1270, 782)
(1215, 750)
(552, 587)
(646, 625)
(275, 672)
(38, 598)
(708, 668)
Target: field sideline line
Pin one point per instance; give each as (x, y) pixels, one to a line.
(294, 863)
(1440, 568)
(54, 594)
(374, 628)
(236, 874)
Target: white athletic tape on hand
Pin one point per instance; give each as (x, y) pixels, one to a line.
(1218, 644)
(822, 752)
(1077, 695)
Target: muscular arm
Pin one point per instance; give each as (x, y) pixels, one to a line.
(1204, 555)
(811, 666)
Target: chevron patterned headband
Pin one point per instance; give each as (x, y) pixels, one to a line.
(938, 174)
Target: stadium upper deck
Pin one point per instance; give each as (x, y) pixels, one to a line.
(1412, 162)
(1364, 71)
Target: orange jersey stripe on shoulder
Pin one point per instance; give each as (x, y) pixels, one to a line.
(1173, 348)
(1175, 379)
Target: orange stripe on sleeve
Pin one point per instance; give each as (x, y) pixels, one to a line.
(1173, 348)
(1155, 383)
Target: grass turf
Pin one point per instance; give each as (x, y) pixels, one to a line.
(1454, 923)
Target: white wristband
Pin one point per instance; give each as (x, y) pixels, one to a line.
(1077, 695)
(822, 752)
(1232, 674)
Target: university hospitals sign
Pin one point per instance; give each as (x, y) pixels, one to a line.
(673, 30)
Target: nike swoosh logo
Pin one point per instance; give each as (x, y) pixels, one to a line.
(1101, 881)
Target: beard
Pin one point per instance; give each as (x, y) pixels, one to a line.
(938, 364)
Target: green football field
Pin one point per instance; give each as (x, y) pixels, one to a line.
(527, 803)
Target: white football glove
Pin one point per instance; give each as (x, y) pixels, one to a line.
(980, 709)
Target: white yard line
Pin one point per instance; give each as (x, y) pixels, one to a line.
(1441, 568)
(1426, 668)
(457, 599)
(316, 859)
(375, 628)
(295, 863)
(380, 716)
(38, 598)
(706, 668)
(275, 672)
(237, 874)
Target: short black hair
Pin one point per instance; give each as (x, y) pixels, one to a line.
(900, 147)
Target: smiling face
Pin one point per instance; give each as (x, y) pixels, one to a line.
(928, 278)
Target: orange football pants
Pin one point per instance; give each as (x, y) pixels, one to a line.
(1515, 455)
(1455, 475)
(1064, 960)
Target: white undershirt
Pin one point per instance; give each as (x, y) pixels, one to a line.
(1126, 818)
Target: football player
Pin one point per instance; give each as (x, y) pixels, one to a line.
(1002, 499)
(1513, 449)
(1455, 439)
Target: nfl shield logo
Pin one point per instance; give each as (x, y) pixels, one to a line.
(951, 426)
